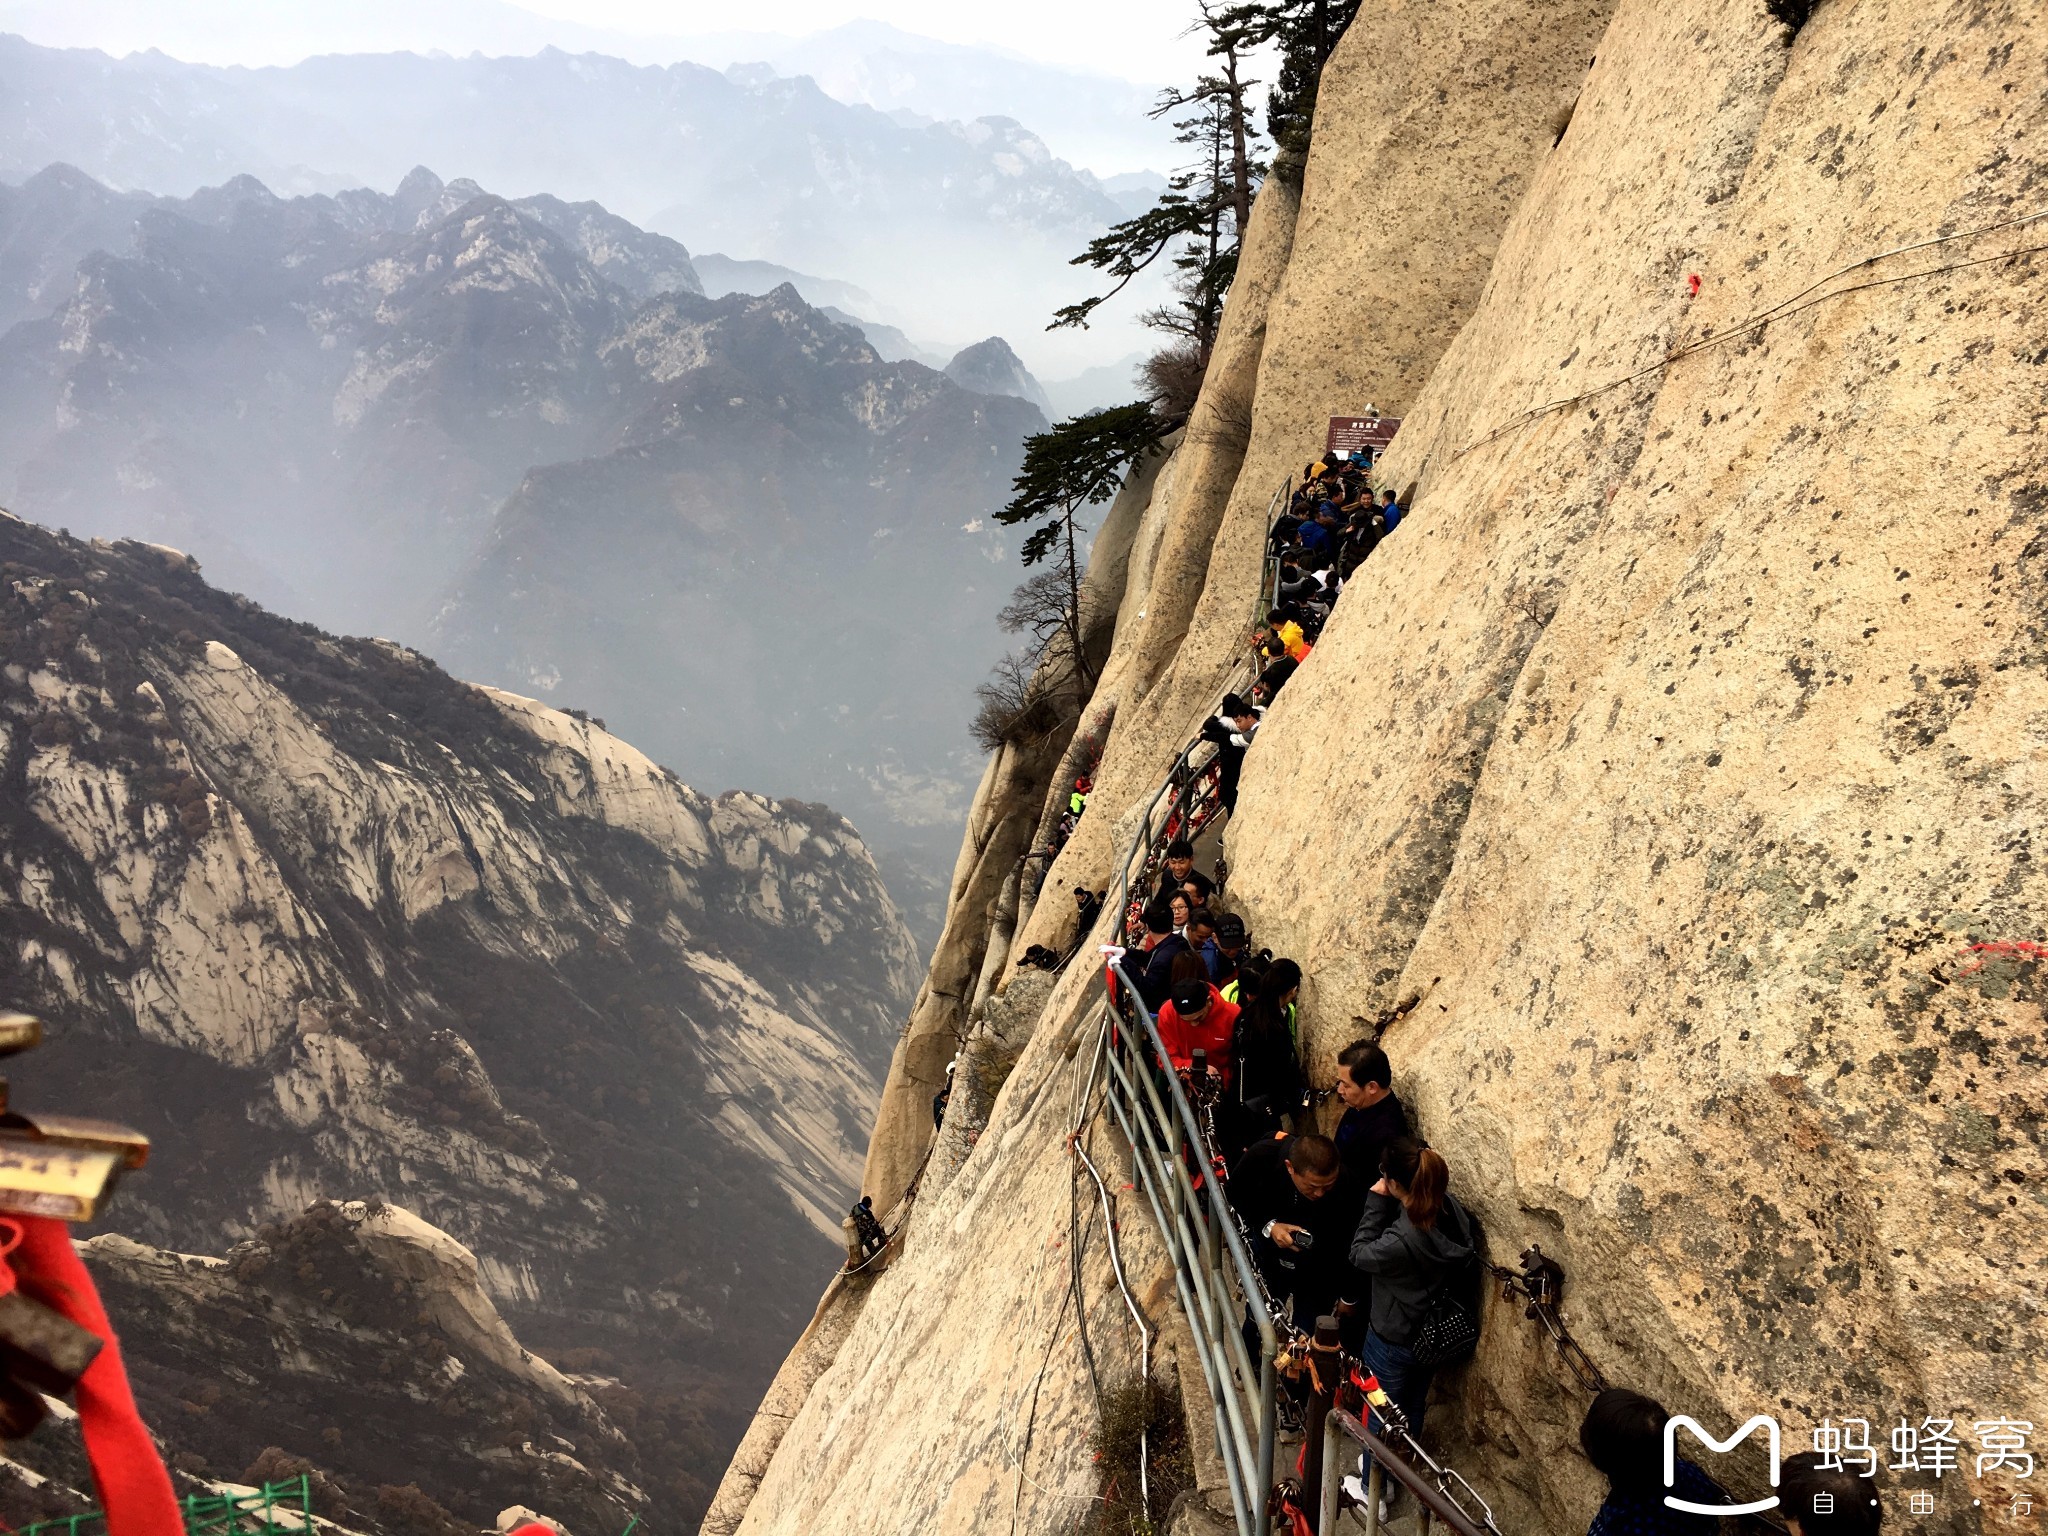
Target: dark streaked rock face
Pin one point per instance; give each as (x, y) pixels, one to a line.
(328, 923)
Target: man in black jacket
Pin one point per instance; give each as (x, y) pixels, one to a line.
(1373, 1116)
(1163, 947)
(1179, 868)
(1301, 1208)
(1232, 730)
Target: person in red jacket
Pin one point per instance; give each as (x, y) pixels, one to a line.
(1198, 1019)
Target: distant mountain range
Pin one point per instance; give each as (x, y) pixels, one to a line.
(1091, 118)
(958, 228)
(517, 434)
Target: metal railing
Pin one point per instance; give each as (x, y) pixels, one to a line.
(1217, 1282)
(1430, 1484)
(1212, 1267)
(1269, 575)
(276, 1509)
(1186, 801)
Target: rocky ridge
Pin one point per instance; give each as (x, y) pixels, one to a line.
(331, 925)
(953, 221)
(1677, 762)
(515, 432)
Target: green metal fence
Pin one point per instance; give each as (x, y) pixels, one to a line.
(275, 1509)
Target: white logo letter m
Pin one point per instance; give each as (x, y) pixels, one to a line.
(1770, 1427)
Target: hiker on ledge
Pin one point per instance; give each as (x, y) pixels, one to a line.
(1373, 1118)
(1089, 904)
(1225, 952)
(1623, 1436)
(1161, 946)
(1232, 730)
(1197, 1019)
(1300, 1207)
(1267, 1063)
(1420, 1248)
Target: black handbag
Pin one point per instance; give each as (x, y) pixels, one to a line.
(1448, 1333)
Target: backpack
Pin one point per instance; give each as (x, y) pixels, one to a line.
(1449, 1330)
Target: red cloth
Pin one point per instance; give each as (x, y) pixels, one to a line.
(134, 1488)
(1212, 1033)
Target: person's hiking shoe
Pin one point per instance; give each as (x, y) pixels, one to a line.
(1355, 1493)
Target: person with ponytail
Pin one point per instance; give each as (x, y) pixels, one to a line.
(1421, 1249)
(1269, 1080)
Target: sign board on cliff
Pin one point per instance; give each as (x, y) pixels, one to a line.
(1355, 434)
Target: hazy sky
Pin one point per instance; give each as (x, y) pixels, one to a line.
(1115, 37)
(1133, 39)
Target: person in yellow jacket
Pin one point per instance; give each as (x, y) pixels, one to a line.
(1289, 634)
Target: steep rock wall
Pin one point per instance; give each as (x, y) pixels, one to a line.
(1670, 752)
(1433, 119)
(1681, 766)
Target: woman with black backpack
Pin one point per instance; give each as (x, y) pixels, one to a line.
(1421, 1249)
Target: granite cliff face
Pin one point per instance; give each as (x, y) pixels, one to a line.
(333, 926)
(1682, 753)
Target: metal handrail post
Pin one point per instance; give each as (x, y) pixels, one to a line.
(1326, 1356)
(1436, 1504)
(1333, 1477)
(1211, 1312)
(1147, 1159)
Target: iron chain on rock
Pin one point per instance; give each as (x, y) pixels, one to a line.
(1540, 1282)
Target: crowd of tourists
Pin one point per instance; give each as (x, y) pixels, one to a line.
(1362, 1223)
(1331, 523)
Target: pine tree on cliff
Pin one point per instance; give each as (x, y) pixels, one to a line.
(1201, 217)
(1307, 32)
(1072, 466)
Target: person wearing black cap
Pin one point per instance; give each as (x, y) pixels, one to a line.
(1226, 950)
(1198, 1019)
